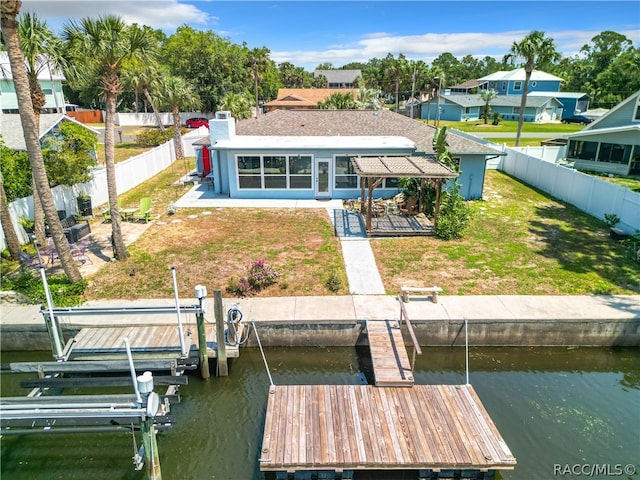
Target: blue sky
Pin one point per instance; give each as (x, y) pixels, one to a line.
(307, 33)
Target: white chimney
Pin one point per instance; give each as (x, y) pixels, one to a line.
(222, 127)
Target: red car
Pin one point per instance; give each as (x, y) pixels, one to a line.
(197, 122)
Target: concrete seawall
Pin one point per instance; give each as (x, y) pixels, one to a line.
(339, 321)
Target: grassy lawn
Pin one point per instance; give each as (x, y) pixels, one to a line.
(216, 248)
(512, 127)
(520, 242)
(123, 151)
(524, 142)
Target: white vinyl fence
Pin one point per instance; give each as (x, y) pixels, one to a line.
(586, 192)
(129, 174)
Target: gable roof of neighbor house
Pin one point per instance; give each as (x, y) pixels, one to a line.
(339, 76)
(469, 84)
(598, 123)
(359, 123)
(519, 74)
(305, 97)
(44, 73)
(13, 134)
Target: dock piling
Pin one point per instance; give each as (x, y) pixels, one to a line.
(201, 295)
(223, 367)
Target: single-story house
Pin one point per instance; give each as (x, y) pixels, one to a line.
(611, 144)
(304, 98)
(13, 135)
(463, 108)
(307, 154)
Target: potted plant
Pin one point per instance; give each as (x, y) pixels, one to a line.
(84, 205)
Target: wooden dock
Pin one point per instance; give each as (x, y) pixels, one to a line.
(152, 340)
(361, 427)
(391, 366)
(108, 342)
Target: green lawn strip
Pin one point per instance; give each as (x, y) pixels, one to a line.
(520, 242)
(512, 127)
(524, 142)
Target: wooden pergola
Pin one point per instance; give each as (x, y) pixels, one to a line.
(373, 170)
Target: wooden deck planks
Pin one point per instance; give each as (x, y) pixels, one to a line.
(357, 427)
(391, 366)
(152, 339)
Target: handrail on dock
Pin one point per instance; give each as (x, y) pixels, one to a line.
(404, 316)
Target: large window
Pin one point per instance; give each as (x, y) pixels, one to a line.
(517, 86)
(345, 174)
(274, 172)
(614, 153)
(582, 150)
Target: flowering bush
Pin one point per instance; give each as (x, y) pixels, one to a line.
(260, 276)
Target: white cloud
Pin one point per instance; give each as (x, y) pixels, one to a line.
(430, 45)
(162, 14)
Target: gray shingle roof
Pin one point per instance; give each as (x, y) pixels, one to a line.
(13, 135)
(354, 123)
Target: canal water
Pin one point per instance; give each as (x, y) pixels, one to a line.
(556, 408)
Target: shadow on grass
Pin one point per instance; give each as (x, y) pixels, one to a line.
(581, 245)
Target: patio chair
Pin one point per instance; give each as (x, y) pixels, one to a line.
(410, 207)
(106, 212)
(144, 211)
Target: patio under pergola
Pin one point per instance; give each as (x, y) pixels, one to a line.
(373, 170)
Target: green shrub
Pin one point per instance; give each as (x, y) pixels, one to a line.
(454, 216)
(63, 292)
(153, 138)
(333, 282)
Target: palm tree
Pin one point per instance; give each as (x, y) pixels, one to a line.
(13, 242)
(10, 10)
(178, 95)
(142, 76)
(533, 49)
(395, 72)
(41, 51)
(487, 96)
(338, 101)
(237, 104)
(101, 47)
(258, 62)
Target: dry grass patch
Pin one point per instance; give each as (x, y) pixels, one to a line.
(214, 249)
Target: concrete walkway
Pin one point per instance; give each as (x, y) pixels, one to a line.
(540, 308)
(359, 261)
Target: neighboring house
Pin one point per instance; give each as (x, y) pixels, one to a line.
(13, 135)
(468, 87)
(304, 98)
(307, 154)
(512, 82)
(340, 78)
(463, 108)
(50, 81)
(611, 144)
(509, 85)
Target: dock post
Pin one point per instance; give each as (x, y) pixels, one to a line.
(150, 444)
(202, 345)
(223, 368)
